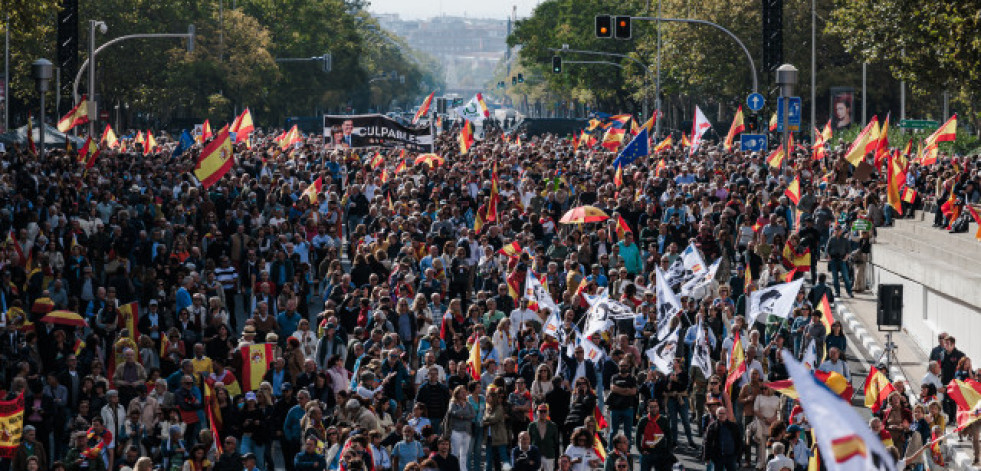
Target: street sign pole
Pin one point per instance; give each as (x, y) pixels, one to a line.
(786, 79)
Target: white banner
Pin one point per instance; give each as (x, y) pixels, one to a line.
(698, 286)
(676, 273)
(536, 293)
(475, 110)
(662, 355)
(603, 312)
(700, 357)
(845, 440)
(668, 304)
(698, 128)
(590, 351)
(692, 259)
(775, 301)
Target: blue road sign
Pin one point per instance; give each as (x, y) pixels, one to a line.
(794, 108)
(752, 142)
(755, 101)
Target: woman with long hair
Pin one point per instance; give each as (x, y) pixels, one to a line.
(460, 424)
(581, 452)
(542, 384)
(198, 460)
(495, 419)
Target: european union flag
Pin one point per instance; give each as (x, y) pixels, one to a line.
(638, 147)
(183, 144)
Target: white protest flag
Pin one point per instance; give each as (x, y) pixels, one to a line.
(676, 273)
(845, 441)
(692, 259)
(590, 351)
(668, 304)
(537, 295)
(662, 355)
(776, 301)
(697, 287)
(552, 325)
(700, 357)
(810, 355)
(475, 110)
(698, 127)
(603, 312)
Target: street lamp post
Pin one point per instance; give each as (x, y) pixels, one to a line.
(786, 79)
(41, 71)
(92, 110)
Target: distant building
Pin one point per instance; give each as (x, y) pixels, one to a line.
(468, 48)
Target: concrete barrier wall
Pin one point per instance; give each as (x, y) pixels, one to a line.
(941, 288)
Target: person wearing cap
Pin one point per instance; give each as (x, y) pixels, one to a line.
(545, 436)
(152, 323)
(798, 448)
(249, 460)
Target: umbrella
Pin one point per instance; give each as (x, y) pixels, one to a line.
(429, 159)
(42, 305)
(583, 214)
(64, 318)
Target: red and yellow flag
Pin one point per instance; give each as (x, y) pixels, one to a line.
(473, 361)
(773, 122)
(977, 219)
(967, 395)
(255, 363)
(12, 419)
(737, 362)
(775, 159)
(206, 131)
(622, 228)
(793, 191)
(495, 196)
(877, 389)
(685, 142)
(598, 448)
(150, 143)
(242, 126)
(612, 139)
(401, 166)
(618, 176)
(129, 318)
(466, 137)
(833, 380)
(860, 147)
(895, 179)
(946, 133)
(423, 108)
(737, 127)
(510, 250)
(89, 153)
(663, 145)
(848, 447)
(215, 161)
(313, 191)
(882, 147)
(78, 115)
(817, 149)
(827, 318)
(109, 137)
(377, 161)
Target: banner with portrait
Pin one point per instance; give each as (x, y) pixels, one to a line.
(374, 130)
(842, 107)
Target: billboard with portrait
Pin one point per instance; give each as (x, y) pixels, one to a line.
(374, 130)
(842, 107)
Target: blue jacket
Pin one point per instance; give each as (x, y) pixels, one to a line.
(309, 462)
(291, 426)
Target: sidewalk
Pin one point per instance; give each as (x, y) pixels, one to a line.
(858, 316)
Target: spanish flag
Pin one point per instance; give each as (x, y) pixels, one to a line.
(622, 228)
(977, 219)
(663, 145)
(511, 250)
(495, 196)
(423, 108)
(946, 133)
(775, 159)
(473, 361)
(848, 447)
(737, 127)
(242, 126)
(612, 139)
(967, 395)
(255, 363)
(817, 149)
(618, 176)
(833, 380)
(877, 389)
(466, 137)
(795, 260)
(575, 141)
(212, 411)
(89, 154)
(661, 167)
(313, 191)
(377, 161)
(875, 132)
(793, 191)
(109, 137)
(685, 142)
(139, 138)
(206, 131)
(599, 448)
(78, 115)
(773, 122)
(215, 161)
(401, 166)
(909, 195)
(895, 179)
(882, 146)
(129, 318)
(856, 153)
(827, 318)
(737, 362)
(480, 218)
(150, 144)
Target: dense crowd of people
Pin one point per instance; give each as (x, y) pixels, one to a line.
(378, 292)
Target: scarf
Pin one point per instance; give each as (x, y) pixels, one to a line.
(95, 448)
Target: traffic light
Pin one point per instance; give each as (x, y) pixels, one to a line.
(622, 28)
(556, 65)
(521, 78)
(751, 123)
(604, 26)
(514, 80)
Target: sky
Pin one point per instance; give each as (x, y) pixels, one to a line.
(420, 9)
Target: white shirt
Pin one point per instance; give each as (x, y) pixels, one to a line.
(520, 316)
(587, 455)
(780, 462)
(423, 373)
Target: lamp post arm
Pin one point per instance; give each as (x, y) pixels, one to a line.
(84, 66)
